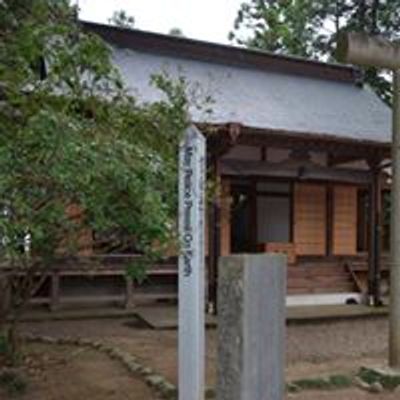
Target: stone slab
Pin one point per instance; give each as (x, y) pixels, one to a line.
(251, 327)
(166, 316)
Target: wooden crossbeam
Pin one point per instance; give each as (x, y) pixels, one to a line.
(234, 167)
(324, 143)
(222, 137)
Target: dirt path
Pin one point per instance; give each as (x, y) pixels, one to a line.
(72, 373)
(312, 350)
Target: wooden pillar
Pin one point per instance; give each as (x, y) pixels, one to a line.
(213, 243)
(219, 235)
(225, 216)
(55, 291)
(225, 141)
(375, 231)
(329, 219)
(129, 286)
(253, 217)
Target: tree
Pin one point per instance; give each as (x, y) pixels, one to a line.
(73, 138)
(121, 19)
(309, 28)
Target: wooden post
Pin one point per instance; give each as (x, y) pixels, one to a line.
(54, 291)
(253, 216)
(225, 217)
(329, 219)
(129, 302)
(220, 144)
(214, 228)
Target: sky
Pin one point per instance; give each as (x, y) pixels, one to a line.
(209, 20)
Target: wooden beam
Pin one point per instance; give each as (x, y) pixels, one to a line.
(233, 167)
(220, 140)
(214, 235)
(334, 145)
(313, 142)
(337, 159)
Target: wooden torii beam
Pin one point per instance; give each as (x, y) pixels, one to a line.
(361, 49)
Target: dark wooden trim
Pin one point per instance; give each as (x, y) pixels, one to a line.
(261, 193)
(247, 168)
(338, 148)
(253, 215)
(338, 159)
(325, 142)
(330, 210)
(291, 216)
(263, 153)
(150, 42)
(214, 241)
(220, 139)
(331, 257)
(362, 219)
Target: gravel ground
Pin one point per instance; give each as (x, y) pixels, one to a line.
(323, 341)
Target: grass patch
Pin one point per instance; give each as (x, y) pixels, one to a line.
(388, 382)
(4, 348)
(329, 383)
(292, 388)
(340, 381)
(13, 382)
(312, 384)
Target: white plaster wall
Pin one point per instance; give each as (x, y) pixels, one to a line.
(273, 219)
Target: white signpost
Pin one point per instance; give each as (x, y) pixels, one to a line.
(191, 265)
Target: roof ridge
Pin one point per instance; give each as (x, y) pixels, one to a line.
(221, 53)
